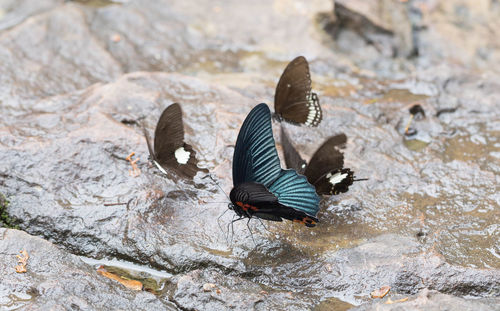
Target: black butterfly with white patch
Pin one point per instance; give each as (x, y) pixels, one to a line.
(293, 101)
(170, 151)
(326, 169)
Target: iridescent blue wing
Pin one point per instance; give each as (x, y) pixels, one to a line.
(255, 157)
(294, 191)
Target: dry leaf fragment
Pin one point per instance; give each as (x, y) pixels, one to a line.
(389, 301)
(23, 258)
(135, 171)
(381, 292)
(22, 261)
(130, 284)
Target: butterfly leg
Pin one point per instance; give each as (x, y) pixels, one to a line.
(251, 234)
(232, 227)
(263, 225)
(218, 223)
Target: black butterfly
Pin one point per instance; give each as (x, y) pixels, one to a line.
(170, 150)
(293, 101)
(261, 187)
(326, 169)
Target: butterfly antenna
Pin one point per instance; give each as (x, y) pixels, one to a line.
(210, 176)
(360, 179)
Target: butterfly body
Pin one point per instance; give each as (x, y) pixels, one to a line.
(294, 101)
(262, 188)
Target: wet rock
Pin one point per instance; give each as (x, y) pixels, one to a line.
(226, 294)
(431, 300)
(170, 224)
(91, 166)
(387, 260)
(231, 292)
(13, 12)
(56, 279)
(60, 55)
(70, 117)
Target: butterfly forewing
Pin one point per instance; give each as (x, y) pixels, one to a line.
(255, 157)
(293, 99)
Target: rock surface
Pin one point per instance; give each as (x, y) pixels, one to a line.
(432, 300)
(56, 280)
(79, 80)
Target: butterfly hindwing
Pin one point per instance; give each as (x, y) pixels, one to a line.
(255, 200)
(170, 152)
(293, 99)
(326, 169)
(335, 181)
(293, 190)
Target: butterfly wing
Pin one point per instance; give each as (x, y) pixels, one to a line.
(256, 161)
(255, 157)
(295, 192)
(325, 170)
(293, 99)
(292, 157)
(255, 200)
(170, 151)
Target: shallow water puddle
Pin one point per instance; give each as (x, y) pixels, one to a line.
(129, 274)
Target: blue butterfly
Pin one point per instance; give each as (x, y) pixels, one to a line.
(262, 188)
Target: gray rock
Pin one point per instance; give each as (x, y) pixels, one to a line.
(431, 300)
(57, 280)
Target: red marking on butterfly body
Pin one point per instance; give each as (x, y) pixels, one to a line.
(245, 207)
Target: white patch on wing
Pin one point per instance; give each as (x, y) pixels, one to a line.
(336, 178)
(181, 155)
(314, 110)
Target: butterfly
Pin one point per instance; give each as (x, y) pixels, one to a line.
(170, 151)
(262, 188)
(293, 100)
(325, 169)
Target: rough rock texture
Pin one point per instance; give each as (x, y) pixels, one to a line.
(432, 300)
(56, 280)
(78, 80)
